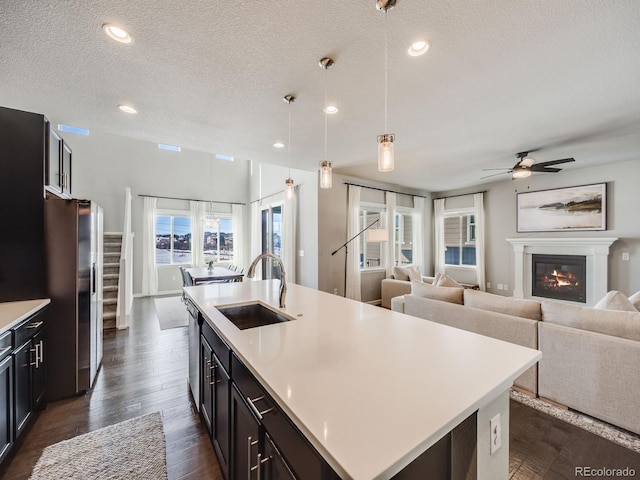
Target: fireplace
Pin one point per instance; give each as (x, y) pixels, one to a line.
(561, 277)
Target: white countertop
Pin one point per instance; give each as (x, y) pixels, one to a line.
(12, 313)
(370, 388)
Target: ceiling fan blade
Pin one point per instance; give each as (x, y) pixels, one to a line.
(503, 168)
(495, 175)
(537, 168)
(555, 162)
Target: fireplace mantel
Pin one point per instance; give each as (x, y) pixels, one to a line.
(596, 249)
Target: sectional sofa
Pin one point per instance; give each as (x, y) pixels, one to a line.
(590, 356)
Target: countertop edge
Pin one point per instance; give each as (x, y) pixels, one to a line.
(43, 302)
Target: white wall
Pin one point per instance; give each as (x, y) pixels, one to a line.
(268, 181)
(104, 165)
(623, 220)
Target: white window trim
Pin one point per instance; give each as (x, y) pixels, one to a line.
(406, 211)
(459, 213)
(166, 212)
(381, 209)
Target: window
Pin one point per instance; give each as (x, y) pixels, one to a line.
(271, 240)
(460, 240)
(371, 253)
(173, 239)
(403, 238)
(218, 238)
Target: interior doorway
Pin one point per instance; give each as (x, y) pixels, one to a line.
(271, 240)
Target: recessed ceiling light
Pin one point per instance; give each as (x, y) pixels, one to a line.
(127, 109)
(278, 145)
(418, 48)
(331, 109)
(117, 33)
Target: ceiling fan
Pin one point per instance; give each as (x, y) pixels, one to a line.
(525, 166)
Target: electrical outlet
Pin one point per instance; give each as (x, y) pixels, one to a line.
(488, 284)
(499, 286)
(625, 256)
(301, 253)
(496, 434)
(506, 287)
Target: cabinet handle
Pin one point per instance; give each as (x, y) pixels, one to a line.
(41, 351)
(34, 325)
(255, 409)
(4, 350)
(261, 461)
(249, 467)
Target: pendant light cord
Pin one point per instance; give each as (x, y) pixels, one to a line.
(386, 60)
(325, 114)
(289, 162)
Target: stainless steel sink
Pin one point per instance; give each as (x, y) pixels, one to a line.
(251, 315)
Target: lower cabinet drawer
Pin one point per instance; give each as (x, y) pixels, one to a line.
(299, 454)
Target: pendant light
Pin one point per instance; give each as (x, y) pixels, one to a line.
(325, 166)
(289, 187)
(385, 141)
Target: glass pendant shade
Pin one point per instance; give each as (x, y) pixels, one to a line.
(385, 152)
(325, 175)
(289, 188)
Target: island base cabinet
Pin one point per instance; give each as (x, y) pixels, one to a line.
(221, 415)
(275, 467)
(6, 406)
(245, 434)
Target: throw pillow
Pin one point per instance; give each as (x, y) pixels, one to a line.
(446, 281)
(444, 294)
(518, 307)
(401, 273)
(615, 300)
(635, 299)
(415, 275)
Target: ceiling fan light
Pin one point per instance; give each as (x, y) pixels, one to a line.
(521, 173)
(385, 152)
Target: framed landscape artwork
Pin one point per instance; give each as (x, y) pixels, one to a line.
(563, 209)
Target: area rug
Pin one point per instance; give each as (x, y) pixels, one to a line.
(172, 313)
(133, 449)
(597, 427)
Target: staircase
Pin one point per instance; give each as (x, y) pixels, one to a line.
(111, 273)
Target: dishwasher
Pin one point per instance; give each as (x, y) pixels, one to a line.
(194, 352)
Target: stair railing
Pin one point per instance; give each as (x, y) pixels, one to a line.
(125, 280)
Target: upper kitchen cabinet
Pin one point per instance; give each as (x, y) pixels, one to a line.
(31, 155)
(58, 164)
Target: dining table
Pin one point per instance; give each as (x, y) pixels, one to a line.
(215, 274)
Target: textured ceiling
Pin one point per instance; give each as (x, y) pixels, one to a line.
(502, 76)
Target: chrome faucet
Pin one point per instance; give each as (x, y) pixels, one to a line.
(283, 281)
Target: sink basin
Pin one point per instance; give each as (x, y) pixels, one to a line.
(251, 315)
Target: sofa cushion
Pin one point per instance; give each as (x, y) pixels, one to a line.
(402, 273)
(615, 300)
(445, 294)
(635, 299)
(445, 280)
(414, 275)
(496, 303)
(609, 322)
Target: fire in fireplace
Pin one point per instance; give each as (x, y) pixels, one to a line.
(561, 277)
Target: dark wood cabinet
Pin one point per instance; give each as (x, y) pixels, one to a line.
(22, 387)
(39, 370)
(66, 170)
(275, 467)
(221, 415)
(6, 404)
(245, 439)
(34, 160)
(206, 407)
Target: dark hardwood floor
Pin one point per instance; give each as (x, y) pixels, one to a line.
(145, 370)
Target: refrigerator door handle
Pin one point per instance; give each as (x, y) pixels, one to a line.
(93, 278)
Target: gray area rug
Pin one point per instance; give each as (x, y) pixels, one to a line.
(133, 449)
(597, 427)
(172, 313)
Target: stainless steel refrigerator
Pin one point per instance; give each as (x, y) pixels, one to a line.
(74, 244)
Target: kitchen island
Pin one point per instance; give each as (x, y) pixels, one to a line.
(370, 389)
